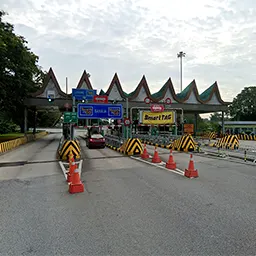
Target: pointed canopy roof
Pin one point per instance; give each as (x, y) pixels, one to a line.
(50, 76)
(181, 97)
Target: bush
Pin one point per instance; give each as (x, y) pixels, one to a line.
(6, 124)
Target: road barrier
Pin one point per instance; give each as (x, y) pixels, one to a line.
(228, 142)
(130, 147)
(186, 143)
(67, 146)
(246, 137)
(11, 144)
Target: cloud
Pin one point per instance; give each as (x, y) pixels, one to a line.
(142, 37)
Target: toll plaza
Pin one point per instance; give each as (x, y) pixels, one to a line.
(141, 177)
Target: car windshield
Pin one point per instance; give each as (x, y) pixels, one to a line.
(96, 136)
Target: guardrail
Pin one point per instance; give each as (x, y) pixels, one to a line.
(114, 141)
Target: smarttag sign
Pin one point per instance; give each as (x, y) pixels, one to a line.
(95, 111)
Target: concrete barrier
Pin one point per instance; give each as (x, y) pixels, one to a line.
(11, 144)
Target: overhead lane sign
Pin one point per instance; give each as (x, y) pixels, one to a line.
(95, 111)
(167, 117)
(83, 94)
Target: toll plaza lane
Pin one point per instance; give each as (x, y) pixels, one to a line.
(37, 158)
(130, 208)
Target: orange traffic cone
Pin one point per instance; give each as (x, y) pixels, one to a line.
(156, 159)
(71, 171)
(145, 154)
(191, 172)
(170, 164)
(71, 158)
(76, 186)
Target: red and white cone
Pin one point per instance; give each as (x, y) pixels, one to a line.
(170, 164)
(191, 172)
(156, 159)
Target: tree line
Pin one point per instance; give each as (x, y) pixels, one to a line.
(20, 75)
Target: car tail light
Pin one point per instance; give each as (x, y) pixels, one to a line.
(103, 139)
(90, 140)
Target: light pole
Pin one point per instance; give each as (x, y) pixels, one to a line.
(181, 55)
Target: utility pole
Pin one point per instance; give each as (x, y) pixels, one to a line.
(181, 55)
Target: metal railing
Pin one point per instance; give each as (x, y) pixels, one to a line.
(114, 141)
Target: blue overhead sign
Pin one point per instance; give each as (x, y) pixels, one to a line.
(95, 111)
(83, 94)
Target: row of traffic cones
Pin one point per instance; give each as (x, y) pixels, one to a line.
(191, 172)
(73, 177)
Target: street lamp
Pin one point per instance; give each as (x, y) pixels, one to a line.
(181, 55)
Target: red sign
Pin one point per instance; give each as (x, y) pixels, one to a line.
(100, 98)
(127, 121)
(67, 105)
(147, 100)
(168, 101)
(157, 108)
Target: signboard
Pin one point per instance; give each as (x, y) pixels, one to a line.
(100, 99)
(95, 111)
(83, 94)
(157, 108)
(127, 121)
(70, 117)
(188, 128)
(147, 100)
(167, 117)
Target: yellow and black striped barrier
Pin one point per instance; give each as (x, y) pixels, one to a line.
(155, 144)
(130, 147)
(211, 135)
(185, 143)
(11, 144)
(134, 147)
(246, 137)
(228, 142)
(66, 147)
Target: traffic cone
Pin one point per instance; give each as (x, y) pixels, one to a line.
(76, 186)
(71, 158)
(71, 171)
(156, 159)
(145, 154)
(170, 164)
(191, 172)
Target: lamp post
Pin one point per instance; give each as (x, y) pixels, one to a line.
(181, 55)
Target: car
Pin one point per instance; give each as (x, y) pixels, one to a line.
(96, 141)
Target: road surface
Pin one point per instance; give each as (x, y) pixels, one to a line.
(129, 207)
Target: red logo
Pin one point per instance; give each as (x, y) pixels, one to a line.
(147, 100)
(157, 108)
(168, 101)
(127, 121)
(100, 98)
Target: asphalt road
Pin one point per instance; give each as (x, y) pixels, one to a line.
(128, 208)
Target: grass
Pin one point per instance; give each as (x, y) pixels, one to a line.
(12, 136)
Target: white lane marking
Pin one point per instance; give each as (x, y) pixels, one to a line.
(178, 171)
(63, 169)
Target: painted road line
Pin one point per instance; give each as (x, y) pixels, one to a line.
(63, 169)
(177, 171)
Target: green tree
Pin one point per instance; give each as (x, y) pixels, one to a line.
(19, 72)
(243, 107)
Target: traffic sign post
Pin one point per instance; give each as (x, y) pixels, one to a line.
(70, 117)
(95, 111)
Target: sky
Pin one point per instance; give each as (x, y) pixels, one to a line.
(142, 37)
